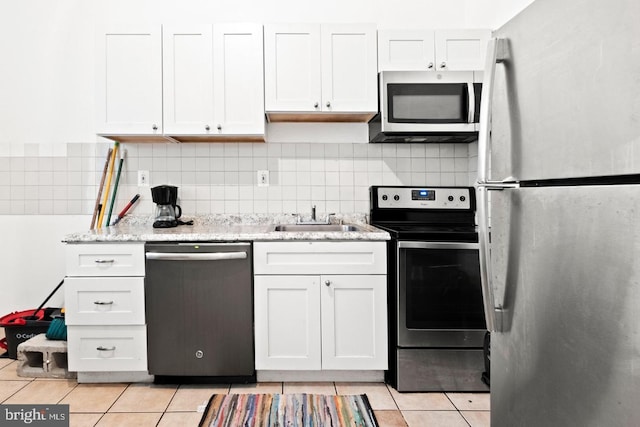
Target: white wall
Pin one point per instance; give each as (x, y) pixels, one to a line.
(32, 259)
(47, 87)
(47, 47)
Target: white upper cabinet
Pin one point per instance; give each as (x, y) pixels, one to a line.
(188, 79)
(325, 69)
(421, 50)
(129, 82)
(292, 67)
(238, 79)
(400, 50)
(213, 82)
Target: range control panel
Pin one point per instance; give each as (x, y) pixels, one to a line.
(424, 198)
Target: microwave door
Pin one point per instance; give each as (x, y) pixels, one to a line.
(428, 102)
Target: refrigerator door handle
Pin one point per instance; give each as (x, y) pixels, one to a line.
(508, 183)
(496, 52)
(491, 312)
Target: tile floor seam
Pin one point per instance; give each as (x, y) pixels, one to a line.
(17, 391)
(116, 399)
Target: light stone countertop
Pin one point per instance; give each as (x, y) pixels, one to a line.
(228, 228)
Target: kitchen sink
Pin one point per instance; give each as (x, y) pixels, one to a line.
(316, 227)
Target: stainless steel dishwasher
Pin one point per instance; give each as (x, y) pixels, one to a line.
(199, 311)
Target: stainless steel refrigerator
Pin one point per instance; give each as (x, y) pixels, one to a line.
(559, 214)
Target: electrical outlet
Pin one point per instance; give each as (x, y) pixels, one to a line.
(263, 178)
(143, 178)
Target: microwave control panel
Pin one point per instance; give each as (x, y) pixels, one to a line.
(424, 198)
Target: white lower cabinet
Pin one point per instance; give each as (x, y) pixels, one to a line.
(105, 312)
(315, 321)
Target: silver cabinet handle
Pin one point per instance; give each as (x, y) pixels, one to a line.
(105, 261)
(211, 256)
(103, 302)
(327, 282)
(328, 104)
(207, 128)
(430, 65)
(443, 65)
(101, 348)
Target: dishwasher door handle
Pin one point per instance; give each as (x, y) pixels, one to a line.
(210, 256)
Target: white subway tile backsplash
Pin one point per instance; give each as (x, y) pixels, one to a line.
(41, 179)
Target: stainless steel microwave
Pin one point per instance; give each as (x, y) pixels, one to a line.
(427, 106)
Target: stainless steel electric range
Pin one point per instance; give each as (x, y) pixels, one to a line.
(436, 317)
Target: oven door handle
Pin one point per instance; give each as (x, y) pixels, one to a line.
(437, 245)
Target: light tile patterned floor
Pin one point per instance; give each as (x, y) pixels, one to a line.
(140, 405)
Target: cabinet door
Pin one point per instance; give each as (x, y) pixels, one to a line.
(402, 50)
(292, 67)
(287, 322)
(238, 76)
(354, 322)
(188, 79)
(129, 81)
(461, 49)
(349, 68)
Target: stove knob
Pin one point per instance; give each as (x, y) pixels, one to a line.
(384, 197)
(462, 198)
(396, 197)
(450, 198)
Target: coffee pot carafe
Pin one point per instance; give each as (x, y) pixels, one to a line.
(167, 209)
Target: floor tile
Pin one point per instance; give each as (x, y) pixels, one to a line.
(8, 388)
(144, 398)
(422, 401)
(130, 419)
(10, 372)
(389, 418)
(4, 361)
(470, 401)
(93, 397)
(434, 419)
(84, 420)
(42, 392)
(326, 388)
(256, 388)
(180, 419)
(478, 418)
(378, 394)
(189, 397)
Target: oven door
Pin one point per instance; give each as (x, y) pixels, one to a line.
(439, 295)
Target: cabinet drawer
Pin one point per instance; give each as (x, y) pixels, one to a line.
(107, 348)
(320, 257)
(104, 301)
(105, 259)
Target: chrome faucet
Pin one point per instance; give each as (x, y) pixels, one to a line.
(313, 219)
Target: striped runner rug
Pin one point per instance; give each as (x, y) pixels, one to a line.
(288, 410)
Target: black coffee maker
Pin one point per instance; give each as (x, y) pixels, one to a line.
(167, 209)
